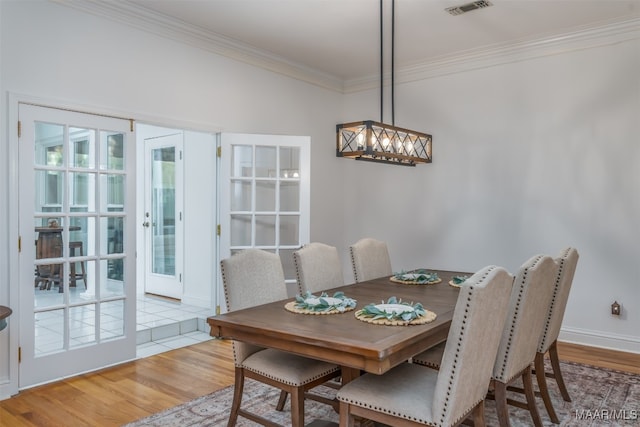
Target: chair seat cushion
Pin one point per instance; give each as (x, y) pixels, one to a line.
(288, 368)
(406, 391)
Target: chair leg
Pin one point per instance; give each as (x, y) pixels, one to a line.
(478, 415)
(500, 395)
(297, 407)
(237, 397)
(527, 380)
(282, 400)
(544, 390)
(346, 420)
(557, 373)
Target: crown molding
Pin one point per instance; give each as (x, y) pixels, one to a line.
(174, 29)
(144, 19)
(608, 34)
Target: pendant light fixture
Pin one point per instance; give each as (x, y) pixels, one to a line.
(379, 142)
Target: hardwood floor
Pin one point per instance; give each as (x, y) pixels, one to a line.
(121, 394)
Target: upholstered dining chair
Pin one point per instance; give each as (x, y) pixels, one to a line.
(318, 268)
(411, 395)
(528, 307)
(370, 259)
(254, 277)
(567, 262)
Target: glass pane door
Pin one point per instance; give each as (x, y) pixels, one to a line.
(265, 196)
(163, 216)
(75, 290)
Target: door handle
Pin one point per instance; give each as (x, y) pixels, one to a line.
(145, 224)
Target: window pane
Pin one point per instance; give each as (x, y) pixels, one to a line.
(266, 162)
(265, 230)
(49, 326)
(48, 191)
(82, 290)
(289, 230)
(82, 325)
(265, 196)
(47, 285)
(240, 195)
(112, 319)
(289, 162)
(242, 161)
(240, 230)
(82, 148)
(82, 192)
(49, 145)
(113, 286)
(290, 196)
(112, 151)
(286, 256)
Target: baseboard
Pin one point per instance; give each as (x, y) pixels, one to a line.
(196, 302)
(598, 339)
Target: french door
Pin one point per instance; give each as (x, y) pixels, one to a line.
(163, 215)
(77, 257)
(263, 197)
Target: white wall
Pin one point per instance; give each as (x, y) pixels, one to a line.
(529, 157)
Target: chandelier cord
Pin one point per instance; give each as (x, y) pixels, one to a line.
(393, 51)
(381, 65)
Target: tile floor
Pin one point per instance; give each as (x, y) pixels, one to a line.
(164, 325)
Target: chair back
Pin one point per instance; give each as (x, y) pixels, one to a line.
(318, 268)
(567, 262)
(370, 259)
(528, 308)
(251, 277)
(472, 344)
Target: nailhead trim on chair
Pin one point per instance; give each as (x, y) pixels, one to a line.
(556, 289)
(353, 264)
(460, 340)
(226, 300)
(515, 316)
(268, 375)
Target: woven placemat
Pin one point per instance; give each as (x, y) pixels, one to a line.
(291, 306)
(413, 282)
(429, 316)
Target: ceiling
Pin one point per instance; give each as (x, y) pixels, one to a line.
(340, 39)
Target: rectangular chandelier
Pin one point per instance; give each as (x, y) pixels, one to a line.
(379, 142)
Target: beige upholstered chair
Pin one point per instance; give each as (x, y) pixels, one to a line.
(370, 259)
(528, 307)
(254, 277)
(411, 395)
(318, 268)
(567, 261)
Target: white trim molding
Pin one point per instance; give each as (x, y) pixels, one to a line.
(600, 339)
(144, 19)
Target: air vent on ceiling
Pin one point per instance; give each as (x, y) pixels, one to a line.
(459, 10)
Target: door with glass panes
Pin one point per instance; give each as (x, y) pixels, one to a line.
(263, 197)
(77, 258)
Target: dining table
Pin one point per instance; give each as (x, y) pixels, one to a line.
(342, 338)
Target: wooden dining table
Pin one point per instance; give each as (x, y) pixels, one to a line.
(341, 338)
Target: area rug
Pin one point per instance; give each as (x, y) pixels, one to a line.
(600, 397)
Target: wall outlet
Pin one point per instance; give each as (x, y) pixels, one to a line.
(615, 308)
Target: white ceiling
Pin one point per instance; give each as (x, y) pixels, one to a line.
(340, 38)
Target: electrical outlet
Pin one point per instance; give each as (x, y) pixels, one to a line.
(615, 308)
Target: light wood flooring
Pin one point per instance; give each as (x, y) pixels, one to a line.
(121, 394)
